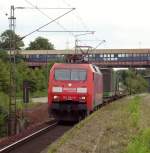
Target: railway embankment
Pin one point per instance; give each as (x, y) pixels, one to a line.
(34, 115)
(119, 127)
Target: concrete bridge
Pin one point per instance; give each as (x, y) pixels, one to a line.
(102, 57)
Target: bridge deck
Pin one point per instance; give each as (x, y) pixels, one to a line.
(97, 51)
(101, 57)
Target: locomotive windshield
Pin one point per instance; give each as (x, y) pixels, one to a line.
(70, 74)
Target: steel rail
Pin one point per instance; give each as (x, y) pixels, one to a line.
(26, 139)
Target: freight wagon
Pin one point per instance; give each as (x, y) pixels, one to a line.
(110, 83)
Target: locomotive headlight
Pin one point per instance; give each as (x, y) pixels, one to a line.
(55, 97)
(57, 89)
(83, 98)
(81, 90)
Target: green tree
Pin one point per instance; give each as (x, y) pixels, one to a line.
(5, 40)
(4, 77)
(22, 73)
(40, 43)
(40, 80)
(4, 106)
(135, 82)
(4, 56)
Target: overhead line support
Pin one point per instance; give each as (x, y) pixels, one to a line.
(12, 120)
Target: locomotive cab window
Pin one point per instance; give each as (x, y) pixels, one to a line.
(62, 74)
(70, 74)
(78, 75)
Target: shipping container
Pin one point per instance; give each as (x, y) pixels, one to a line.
(109, 82)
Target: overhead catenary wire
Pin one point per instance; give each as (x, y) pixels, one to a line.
(77, 15)
(48, 23)
(102, 41)
(65, 30)
(43, 13)
(52, 8)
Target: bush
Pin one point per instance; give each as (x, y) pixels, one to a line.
(4, 106)
(135, 82)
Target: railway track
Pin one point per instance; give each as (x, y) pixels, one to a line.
(37, 141)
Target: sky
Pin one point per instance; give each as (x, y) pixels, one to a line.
(122, 23)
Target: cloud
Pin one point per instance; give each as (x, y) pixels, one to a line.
(123, 23)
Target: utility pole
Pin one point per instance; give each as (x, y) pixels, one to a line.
(12, 124)
(12, 120)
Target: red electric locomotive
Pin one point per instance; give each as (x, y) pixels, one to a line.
(74, 90)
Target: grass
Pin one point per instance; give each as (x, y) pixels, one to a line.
(88, 132)
(134, 110)
(115, 128)
(140, 143)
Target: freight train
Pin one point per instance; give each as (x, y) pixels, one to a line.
(76, 90)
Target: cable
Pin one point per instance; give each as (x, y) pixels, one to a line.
(83, 23)
(77, 16)
(47, 24)
(63, 31)
(47, 16)
(103, 41)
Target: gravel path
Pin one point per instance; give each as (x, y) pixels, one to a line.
(40, 100)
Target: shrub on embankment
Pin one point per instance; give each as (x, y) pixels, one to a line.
(3, 113)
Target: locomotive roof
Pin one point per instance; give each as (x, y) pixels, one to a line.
(71, 65)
